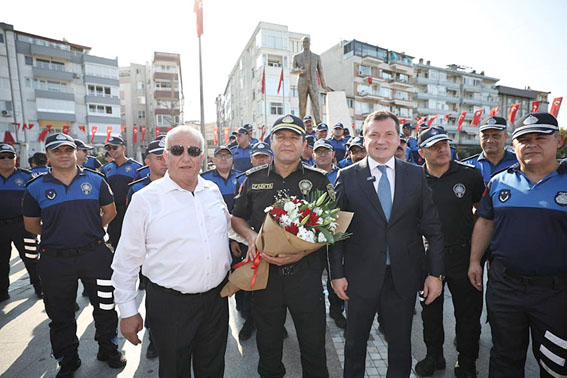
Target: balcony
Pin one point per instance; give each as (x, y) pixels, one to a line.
(99, 99)
(406, 103)
(402, 84)
(372, 60)
(472, 88)
(55, 116)
(165, 76)
(450, 84)
(163, 111)
(56, 95)
(52, 71)
(431, 111)
(51, 52)
(403, 67)
(166, 94)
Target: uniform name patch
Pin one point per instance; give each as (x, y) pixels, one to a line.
(263, 186)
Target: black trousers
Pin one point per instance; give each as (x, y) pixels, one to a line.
(516, 308)
(243, 298)
(59, 277)
(467, 302)
(194, 328)
(396, 315)
(298, 289)
(114, 229)
(335, 303)
(26, 244)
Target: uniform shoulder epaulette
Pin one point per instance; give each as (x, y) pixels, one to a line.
(136, 181)
(562, 166)
(240, 174)
(469, 158)
(321, 171)
(33, 179)
(256, 169)
(93, 171)
(139, 169)
(465, 164)
(134, 161)
(507, 169)
(25, 170)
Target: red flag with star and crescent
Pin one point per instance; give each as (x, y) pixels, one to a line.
(512, 113)
(476, 118)
(535, 106)
(281, 81)
(198, 9)
(461, 120)
(555, 106)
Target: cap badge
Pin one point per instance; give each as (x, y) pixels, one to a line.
(459, 190)
(61, 137)
(287, 119)
(504, 195)
(86, 188)
(531, 120)
(305, 186)
(491, 121)
(260, 145)
(561, 198)
(161, 143)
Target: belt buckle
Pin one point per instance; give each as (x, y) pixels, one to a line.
(287, 270)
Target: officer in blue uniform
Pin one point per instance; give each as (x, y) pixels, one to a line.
(12, 188)
(232, 140)
(523, 215)
(83, 158)
(39, 160)
(223, 175)
(322, 131)
(119, 173)
(346, 135)
(250, 130)
(241, 153)
(338, 142)
(307, 155)
(494, 156)
(356, 152)
(145, 170)
(412, 151)
(309, 131)
(64, 206)
(261, 155)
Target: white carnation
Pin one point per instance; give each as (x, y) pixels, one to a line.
(289, 207)
(305, 234)
(285, 220)
(321, 238)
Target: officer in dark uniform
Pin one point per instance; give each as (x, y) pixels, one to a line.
(64, 206)
(39, 164)
(294, 281)
(523, 215)
(119, 173)
(338, 142)
(83, 158)
(307, 154)
(322, 131)
(494, 156)
(250, 130)
(456, 188)
(12, 189)
(241, 153)
(309, 130)
(223, 175)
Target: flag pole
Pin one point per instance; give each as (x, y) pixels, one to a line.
(265, 100)
(283, 90)
(203, 131)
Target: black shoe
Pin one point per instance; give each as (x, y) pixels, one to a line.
(465, 371)
(151, 352)
(285, 334)
(246, 331)
(38, 292)
(77, 308)
(427, 366)
(68, 370)
(4, 296)
(338, 317)
(114, 359)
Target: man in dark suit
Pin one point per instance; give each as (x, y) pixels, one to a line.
(379, 269)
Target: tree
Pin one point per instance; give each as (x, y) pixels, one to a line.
(562, 152)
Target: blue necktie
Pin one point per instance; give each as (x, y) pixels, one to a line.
(385, 197)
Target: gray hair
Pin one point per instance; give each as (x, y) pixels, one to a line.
(185, 130)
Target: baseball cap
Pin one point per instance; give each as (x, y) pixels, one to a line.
(156, 147)
(357, 141)
(323, 143)
(289, 122)
(4, 147)
(242, 130)
(115, 141)
(431, 136)
(322, 127)
(541, 123)
(493, 122)
(307, 118)
(261, 148)
(82, 145)
(338, 125)
(221, 148)
(56, 140)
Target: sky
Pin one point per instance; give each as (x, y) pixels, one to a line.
(521, 42)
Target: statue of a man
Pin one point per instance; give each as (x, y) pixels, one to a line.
(307, 64)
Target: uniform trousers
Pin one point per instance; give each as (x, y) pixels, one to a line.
(517, 306)
(193, 329)
(467, 302)
(296, 287)
(115, 227)
(60, 272)
(26, 244)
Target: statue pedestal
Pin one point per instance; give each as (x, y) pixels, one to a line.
(337, 111)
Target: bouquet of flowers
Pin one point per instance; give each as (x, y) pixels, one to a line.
(292, 225)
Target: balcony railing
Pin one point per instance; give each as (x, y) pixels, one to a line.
(50, 66)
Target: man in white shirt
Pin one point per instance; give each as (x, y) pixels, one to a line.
(168, 230)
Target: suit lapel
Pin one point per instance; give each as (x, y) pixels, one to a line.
(368, 186)
(399, 192)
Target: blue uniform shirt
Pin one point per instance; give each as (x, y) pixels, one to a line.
(135, 186)
(119, 177)
(227, 187)
(339, 146)
(39, 171)
(12, 190)
(332, 175)
(142, 172)
(345, 163)
(310, 162)
(530, 221)
(487, 168)
(412, 154)
(313, 133)
(70, 215)
(253, 141)
(92, 163)
(241, 158)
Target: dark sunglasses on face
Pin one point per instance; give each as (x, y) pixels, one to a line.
(9, 156)
(113, 148)
(177, 150)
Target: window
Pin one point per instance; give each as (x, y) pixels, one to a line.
(28, 60)
(386, 75)
(364, 71)
(49, 85)
(385, 92)
(1, 38)
(363, 107)
(276, 108)
(140, 85)
(402, 95)
(403, 78)
(350, 103)
(275, 60)
(274, 39)
(101, 71)
(141, 100)
(55, 106)
(141, 114)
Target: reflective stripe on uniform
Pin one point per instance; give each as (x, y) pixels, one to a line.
(104, 306)
(104, 294)
(104, 282)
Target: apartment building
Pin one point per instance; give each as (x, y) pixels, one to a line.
(509, 96)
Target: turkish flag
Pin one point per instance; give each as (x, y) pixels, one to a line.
(25, 126)
(476, 118)
(198, 9)
(370, 79)
(431, 119)
(66, 129)
(143, 132)
(158, 131)
(135, 134)
(264, 81)
(43, 133)
(494, 111)
(108, 132)
(17, 125)
(402, 122)
(122, 128)
(263, 128)
(30, 126)
(215, 137)
(93, 132)
(82, 128)
(535, 106)
(226, 135)
(512, 113)
(555, 106)
(281, 81)
(419, 122)
(447, 116)
(461, 120)
(8, 138)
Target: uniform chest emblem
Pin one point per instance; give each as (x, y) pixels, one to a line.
(331, 191)
(128, 169)
(108, 170)
(19, 182)
(305, 187)
(86, 188)
(561, 198)
(459, 190)
(504, 195)
(50, 194)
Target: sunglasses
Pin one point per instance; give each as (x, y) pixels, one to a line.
(177, 150)
(113, 148)
(9, 156)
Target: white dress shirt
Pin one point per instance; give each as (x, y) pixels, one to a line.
(178, 237)
(390, 172)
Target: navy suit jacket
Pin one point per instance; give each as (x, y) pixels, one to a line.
(362, 257)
